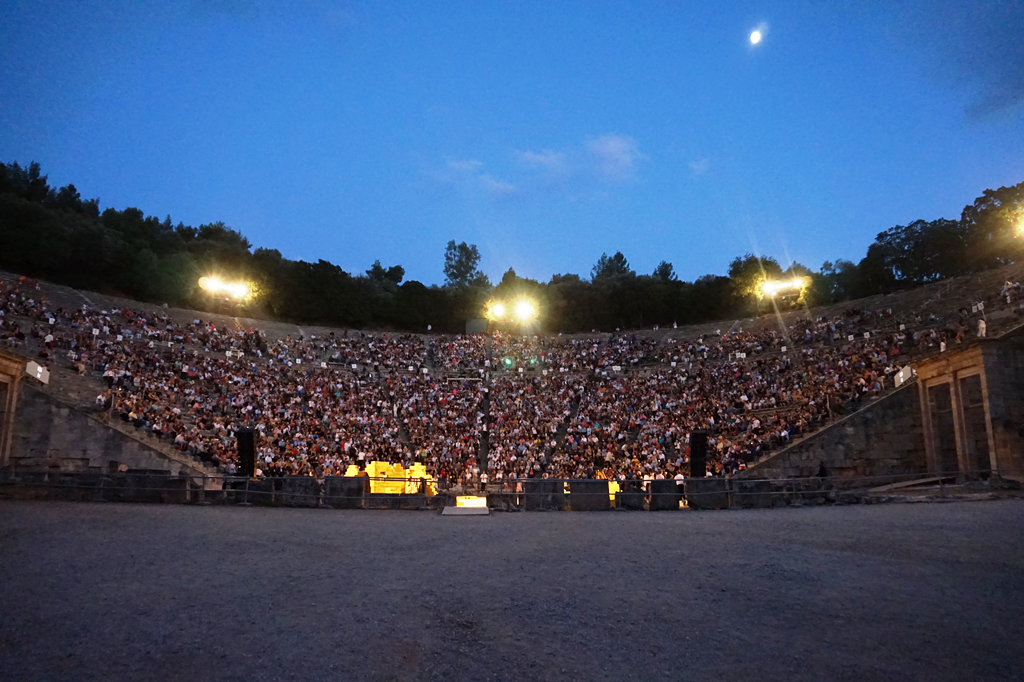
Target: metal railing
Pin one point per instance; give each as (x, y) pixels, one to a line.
(523, 494)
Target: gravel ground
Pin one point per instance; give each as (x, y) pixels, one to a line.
(881, 592)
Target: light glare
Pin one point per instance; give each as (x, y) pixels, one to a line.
(523, 309)
(218, 287)
(755, 37)
(526, 310)
(770, 288)
(494, 311)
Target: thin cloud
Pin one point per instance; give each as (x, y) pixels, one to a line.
(615, 157)
(498, 189)
(608, 159)
(468, 174)
(465, 165)
(699, 167)
(588, 170)
(546, 159)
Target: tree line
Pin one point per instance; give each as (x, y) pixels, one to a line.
(54, 234)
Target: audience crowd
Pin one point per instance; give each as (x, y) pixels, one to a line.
(480, 408)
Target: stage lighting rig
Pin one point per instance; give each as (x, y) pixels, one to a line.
(522, 310)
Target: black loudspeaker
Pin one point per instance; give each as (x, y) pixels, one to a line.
(246, 440)
(698, 454)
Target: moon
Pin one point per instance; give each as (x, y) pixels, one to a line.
(755, 37)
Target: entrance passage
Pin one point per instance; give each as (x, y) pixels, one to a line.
(4, 388)
(975, 429)
(943, 430)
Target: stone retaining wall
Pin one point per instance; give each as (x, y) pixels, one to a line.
(51, 436)
(883, 439)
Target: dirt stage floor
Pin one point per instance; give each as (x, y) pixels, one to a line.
(882, 592)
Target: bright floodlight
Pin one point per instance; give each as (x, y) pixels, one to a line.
(755, 37)
(494, 311)
(770, 288)
(525, 310)
(218, 287)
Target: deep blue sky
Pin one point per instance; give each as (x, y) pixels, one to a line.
(545, 133)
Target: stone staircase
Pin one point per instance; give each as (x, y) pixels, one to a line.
(54, 436)
(484, 449)
(160, 446)
(807, 441)
(74, 393)
(880, 438)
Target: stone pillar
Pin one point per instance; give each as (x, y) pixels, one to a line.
(11, 370)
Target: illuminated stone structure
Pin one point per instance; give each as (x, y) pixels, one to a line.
(972, 407)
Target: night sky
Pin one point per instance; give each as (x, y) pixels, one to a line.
(546, 133)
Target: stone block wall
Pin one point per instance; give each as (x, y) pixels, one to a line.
(49, 435)
(883, 439)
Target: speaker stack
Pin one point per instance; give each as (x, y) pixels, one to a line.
(698, 454)
(246, 440)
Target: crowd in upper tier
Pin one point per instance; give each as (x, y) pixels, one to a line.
(488, 407)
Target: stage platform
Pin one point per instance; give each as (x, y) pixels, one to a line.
(467, 506)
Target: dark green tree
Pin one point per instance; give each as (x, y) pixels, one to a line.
(749, 272)
(665, 272)
(54, 234)
(378, 274)
(875, 273)
(460, 265)
(994, 227)
(607, 268)
(922, 251)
